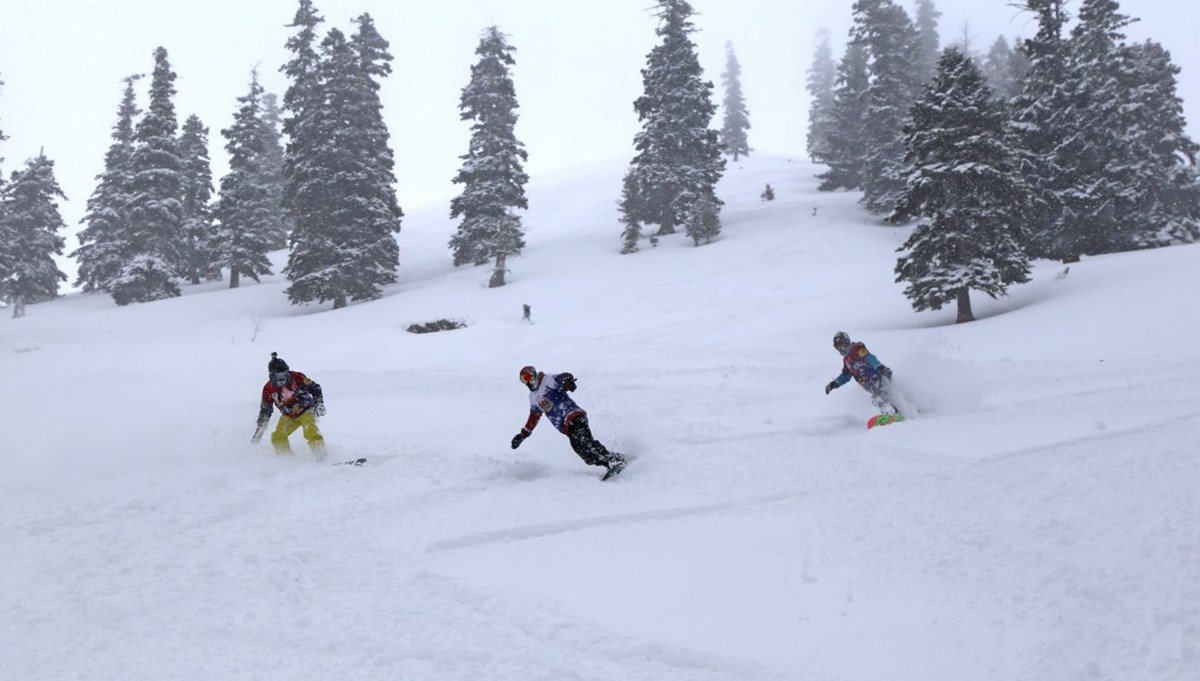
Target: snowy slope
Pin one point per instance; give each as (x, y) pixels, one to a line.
(1038, 520)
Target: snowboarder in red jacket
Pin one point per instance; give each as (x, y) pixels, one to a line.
(300, 402)
(548, 395)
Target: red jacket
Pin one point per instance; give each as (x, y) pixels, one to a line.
(297, 396)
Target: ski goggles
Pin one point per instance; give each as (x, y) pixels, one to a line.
(529, 377)
(280, 377)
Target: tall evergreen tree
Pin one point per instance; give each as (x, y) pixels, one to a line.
(272, 124)
(1168, 181)
(965, 188)
(678, 158)
(737, 119)
(303, 101)
(1040, 122)
(156, 193)
(4, 266)
(847, 150)
(343, 245)
(247, 210)
(885, 30)
(30, 224)
(999, 67)
(103, 242)
(199, 254)
(822, 78)
(929, 45)
(492, 174)
(628, 208)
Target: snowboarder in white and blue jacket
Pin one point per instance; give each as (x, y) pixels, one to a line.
(865, 368)
(548, 395)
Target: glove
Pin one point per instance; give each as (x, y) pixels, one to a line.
(319, 410)
(568, 381)
(519, 438)
(830, 386)
(258, 433)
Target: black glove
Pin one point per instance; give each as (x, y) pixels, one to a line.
(258, 433)
(567, 380)
(830, 386)
(319, 409)
(519, 438)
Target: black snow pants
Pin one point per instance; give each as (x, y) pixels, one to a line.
(587, 447)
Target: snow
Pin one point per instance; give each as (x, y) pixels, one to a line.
(1037, 520)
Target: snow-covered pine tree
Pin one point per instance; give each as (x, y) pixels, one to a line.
(847, 152)
(343, 243)
(272, 120)
(303, 100)
(678, 158)
(627, 206)
(965, 189)
(492, 174)
(247, 212)
(1168, 182)
(199, 254)
(4, 238)
(1039, 123)
(30, 224)
(1095, 162)
(885, 30)
(736, 120)
(155, 209)
(929, 45)
(101, 253)
(705, 222)
(822, 77)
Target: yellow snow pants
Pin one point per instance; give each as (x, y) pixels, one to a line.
(288, 425)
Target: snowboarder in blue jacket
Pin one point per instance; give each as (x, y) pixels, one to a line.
(548, 395)
(858, 363)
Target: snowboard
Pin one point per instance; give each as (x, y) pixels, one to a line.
(883, 420)
(614, 471)
(351, 462)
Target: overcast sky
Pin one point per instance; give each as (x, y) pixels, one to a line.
(577, 72)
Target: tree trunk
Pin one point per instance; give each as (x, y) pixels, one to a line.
(339, 301)
(498, 274)
(235, 277)
(18, 306)
(964, 306)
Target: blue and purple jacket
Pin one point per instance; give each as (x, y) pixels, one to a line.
(551, 399)
(860, 365)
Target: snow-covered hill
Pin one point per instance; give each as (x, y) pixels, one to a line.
(1037, 520)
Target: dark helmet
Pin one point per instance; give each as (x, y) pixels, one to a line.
(529, 376)
(841, 342)
(278, 370)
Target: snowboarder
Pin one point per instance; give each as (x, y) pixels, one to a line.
(858, 363)
(548, 395)
(300, 402)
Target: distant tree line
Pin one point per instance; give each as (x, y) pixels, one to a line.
(315, 175)
(1071, 144)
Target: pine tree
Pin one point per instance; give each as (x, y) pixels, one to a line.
(303, 100)
(822, 123)
(737, 119)
(928, 43)
(103, 242)
(705, 222)
(998, 70)
(890, 38)
(965, 188)
(628, 208)
(1040, 122)
(198, 249)
(247, 210)
(678, 158)
(4, 237)
(343, 243)
(492, 175)
(272, 123)
(155, 227)
(30, 224)
(847, 152)
(1166, 179)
